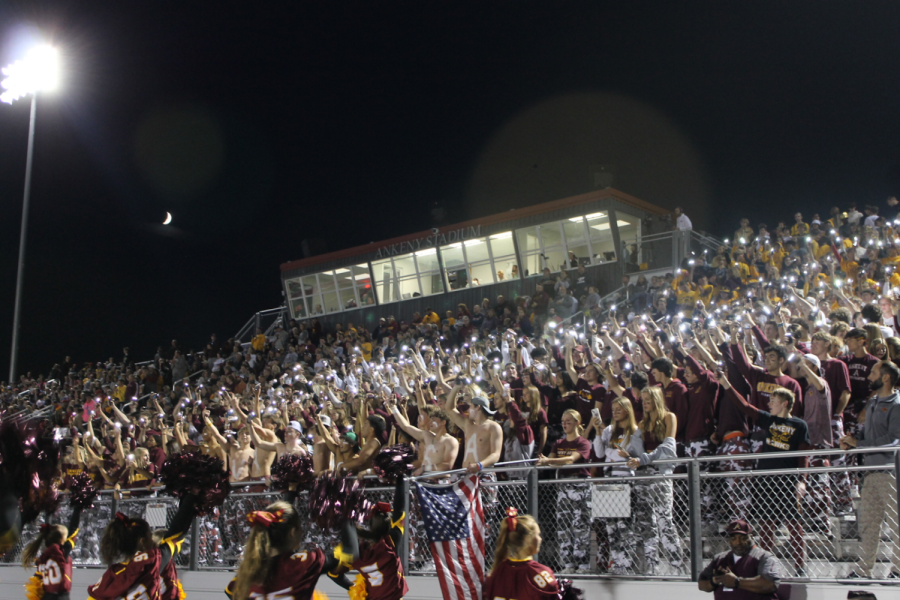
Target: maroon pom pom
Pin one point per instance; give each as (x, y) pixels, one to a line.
(335, 500)
(29, 462)
(393, 461)
(291, 468)
(81, 491)
(569, 592)
(200, 475)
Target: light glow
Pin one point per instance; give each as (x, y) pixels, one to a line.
(38, 71)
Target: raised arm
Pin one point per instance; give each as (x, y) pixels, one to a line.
(449, 406)
(405, 425)
(745, 407)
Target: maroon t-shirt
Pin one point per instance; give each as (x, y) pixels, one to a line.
(859, 370)
(838, 379)
(587, 395)
(677, 402)
(579, 447)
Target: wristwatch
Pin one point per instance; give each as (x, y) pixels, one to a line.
(737, 582)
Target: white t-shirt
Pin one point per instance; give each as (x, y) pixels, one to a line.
(683, 223)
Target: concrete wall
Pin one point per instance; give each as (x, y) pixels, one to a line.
(206, 585)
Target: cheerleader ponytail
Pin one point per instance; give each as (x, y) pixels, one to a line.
(274, 531)
(48, 534)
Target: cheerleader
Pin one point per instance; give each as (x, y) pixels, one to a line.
(134, 560)
(380, 572)
(53, 579)
(169, 586)
(273, 561)
(515, 574)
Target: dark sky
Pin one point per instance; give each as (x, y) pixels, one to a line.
(260, 124)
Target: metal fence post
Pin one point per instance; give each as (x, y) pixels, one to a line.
(114, 505)
(531, 495)
(897, 481)
(404, 541)
(195, 544)
(696, 527)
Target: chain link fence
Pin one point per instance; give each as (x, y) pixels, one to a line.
(795, 517)
(615, 526)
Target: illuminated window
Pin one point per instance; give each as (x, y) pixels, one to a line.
(328, 292)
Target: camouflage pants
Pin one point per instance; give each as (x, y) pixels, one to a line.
(622, 541)
(654, 525)
(816, 503)
(573, 525)
(696, 449)
(843, 483)
(733, 499)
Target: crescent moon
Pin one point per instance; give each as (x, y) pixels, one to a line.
(168, 218)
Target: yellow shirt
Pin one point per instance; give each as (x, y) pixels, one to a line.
(258, 342)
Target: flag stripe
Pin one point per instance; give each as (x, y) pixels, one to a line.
(454, 520)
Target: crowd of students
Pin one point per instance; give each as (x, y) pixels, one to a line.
(782, 340)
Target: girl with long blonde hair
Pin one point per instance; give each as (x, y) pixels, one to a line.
(653, 499)
(515, 573)
(273, 561)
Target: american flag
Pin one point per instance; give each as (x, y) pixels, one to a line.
(454, 521)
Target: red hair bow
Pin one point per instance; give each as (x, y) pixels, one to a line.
(261, 517)
(511, 520)
(44, 527)
(382, 507)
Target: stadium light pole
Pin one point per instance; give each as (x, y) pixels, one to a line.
(37, 72)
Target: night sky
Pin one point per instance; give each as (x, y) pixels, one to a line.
(261, 124)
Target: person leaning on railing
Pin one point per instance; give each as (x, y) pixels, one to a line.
(653, 500)
(573, 526)
(615, 444)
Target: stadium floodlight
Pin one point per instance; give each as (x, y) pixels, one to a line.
(37, 72)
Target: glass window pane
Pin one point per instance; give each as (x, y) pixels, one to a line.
(298, 308)
(428, 261)
(348, 299)
(310, 286)
(532, 265)
(344, 278)
(555, 258)
(550, 235)
(601, 238)
(432, 284)
(528, 240)
(508, 266)
(482, 274)
(409, 288)
(502, 244)
(315, 307)
(294, 288)
(331, 302)
(326, 281)
(384, 280)
(574, 230)
(404, 266)
(476, 250)
(457, 274)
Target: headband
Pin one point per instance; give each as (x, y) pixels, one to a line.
(511, 520)
(265, 519)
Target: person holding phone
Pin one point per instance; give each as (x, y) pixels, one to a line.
(615, 444)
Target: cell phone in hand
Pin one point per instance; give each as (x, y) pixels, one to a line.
(595, 412)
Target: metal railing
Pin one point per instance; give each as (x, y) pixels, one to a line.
(843, 519)
(266, 320)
